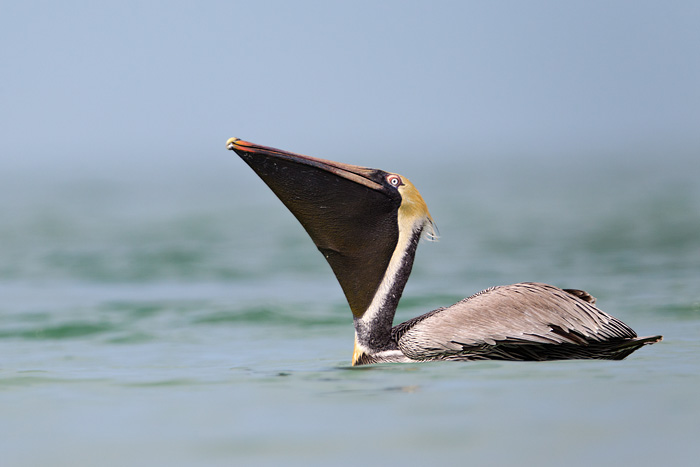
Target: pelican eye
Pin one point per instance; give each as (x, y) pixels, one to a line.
(394, 180)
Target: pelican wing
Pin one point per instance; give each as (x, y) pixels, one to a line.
(527, 321)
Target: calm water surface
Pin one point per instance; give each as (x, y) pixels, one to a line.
(184, 318)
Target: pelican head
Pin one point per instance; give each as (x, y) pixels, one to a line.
(358, 217)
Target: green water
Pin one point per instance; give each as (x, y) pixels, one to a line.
(182, 317)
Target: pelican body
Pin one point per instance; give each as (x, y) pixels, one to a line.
(367, 224)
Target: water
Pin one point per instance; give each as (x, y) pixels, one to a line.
(183, 318)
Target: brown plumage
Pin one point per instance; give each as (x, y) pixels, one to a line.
(367, 224)
(527, 321)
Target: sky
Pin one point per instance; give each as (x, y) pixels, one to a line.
(107, 85)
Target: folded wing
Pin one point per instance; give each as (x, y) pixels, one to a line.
(527, 321)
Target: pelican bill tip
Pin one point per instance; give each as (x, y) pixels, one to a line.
(231, 142)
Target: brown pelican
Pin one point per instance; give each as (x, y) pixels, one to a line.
(367, 224)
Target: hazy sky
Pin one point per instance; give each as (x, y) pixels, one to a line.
(108, 83)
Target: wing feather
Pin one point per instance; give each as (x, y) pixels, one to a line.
(508, 316)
